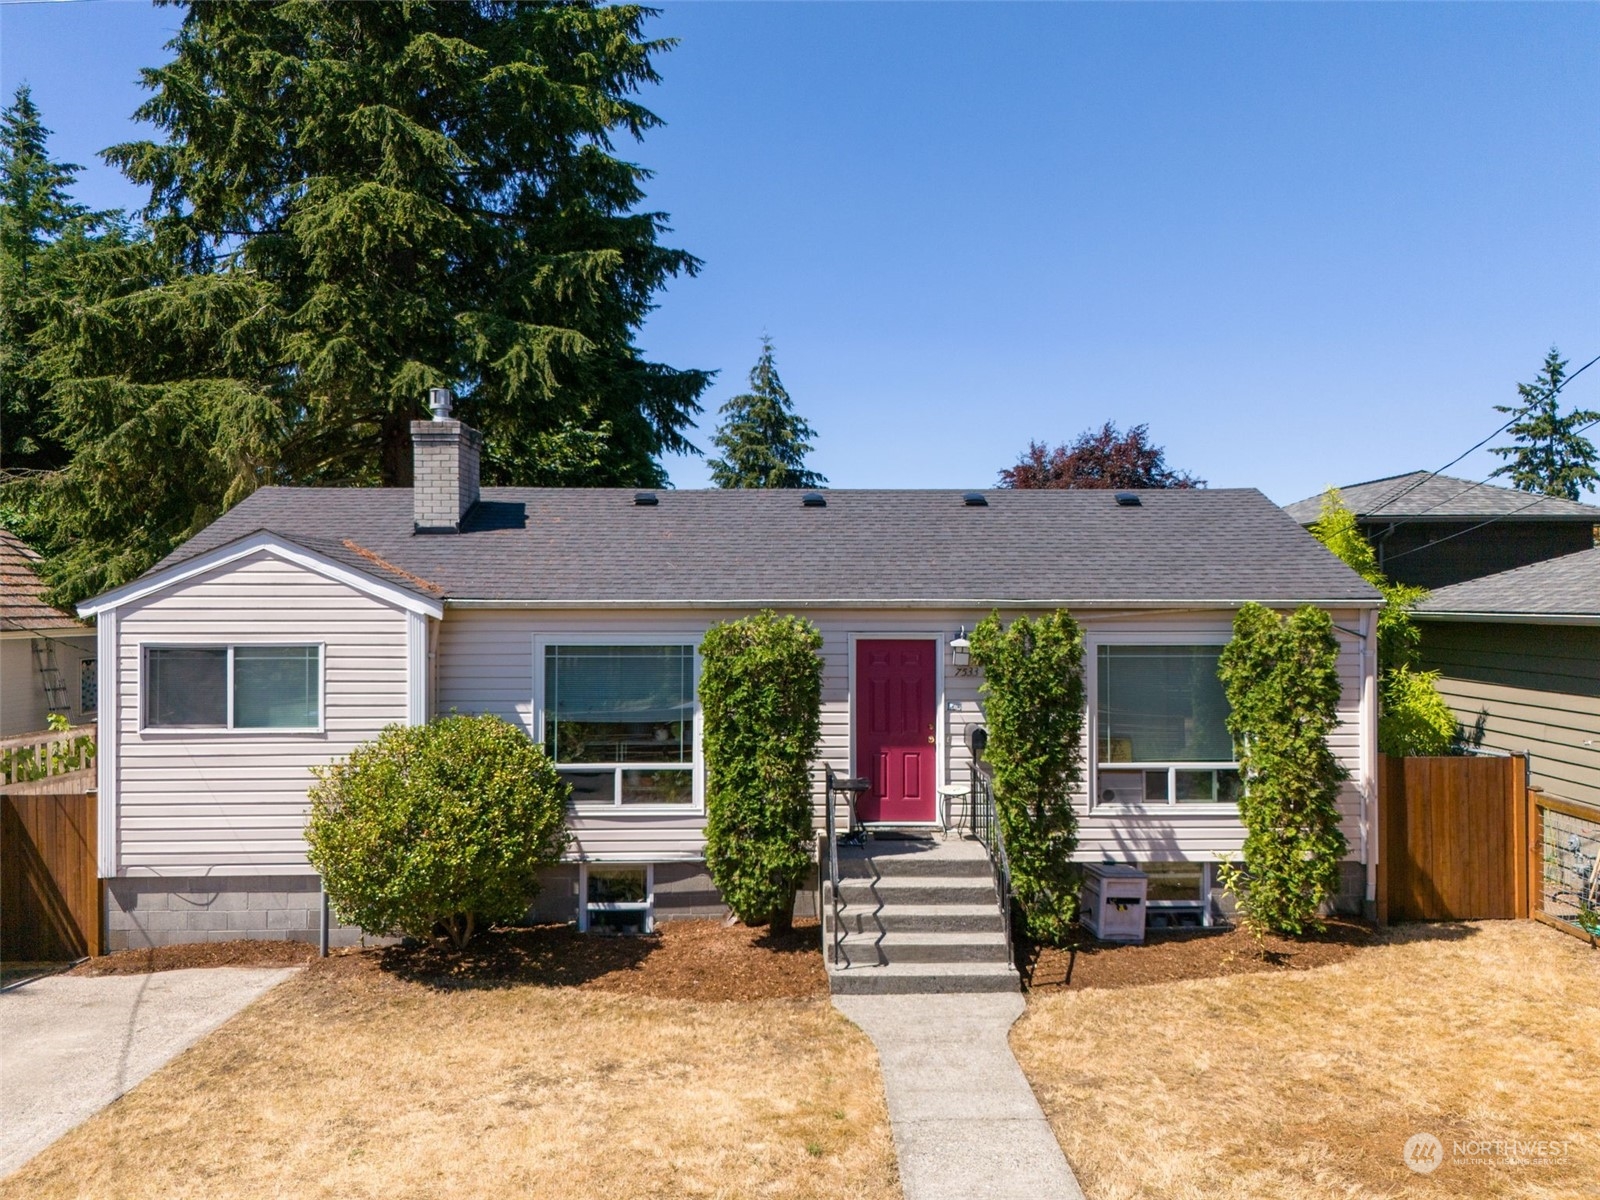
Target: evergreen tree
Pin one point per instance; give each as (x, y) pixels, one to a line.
(1550, 455)
(41, 227)
(1099, 458)
(353, 203)
(764, 442)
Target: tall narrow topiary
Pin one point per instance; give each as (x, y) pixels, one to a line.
(1034, 698)
(1281, 677)
(761, 700)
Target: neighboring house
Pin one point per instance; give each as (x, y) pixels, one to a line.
(47, 657)
(1521, 650)
(1435, 530)
(304, 621)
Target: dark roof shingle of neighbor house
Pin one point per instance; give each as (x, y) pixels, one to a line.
(597, 546)
(1419, 496)
(1568, 586)
(22, 606)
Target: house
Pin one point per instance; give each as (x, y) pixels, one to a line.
(1520, 651)
(305, 620)
(1435, 530)
(47, 657)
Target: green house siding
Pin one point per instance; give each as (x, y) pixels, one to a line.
(1538, 688)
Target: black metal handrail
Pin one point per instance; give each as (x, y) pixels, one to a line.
(831, 853)
(986, 828)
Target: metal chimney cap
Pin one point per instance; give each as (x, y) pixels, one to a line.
(439, 400)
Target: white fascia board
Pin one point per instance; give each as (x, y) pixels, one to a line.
(278, 547)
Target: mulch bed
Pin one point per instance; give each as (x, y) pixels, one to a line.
(685, 960)
(202, 954)
(1169, 956)
(688, 960)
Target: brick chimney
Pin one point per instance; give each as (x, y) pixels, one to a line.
(445, 468)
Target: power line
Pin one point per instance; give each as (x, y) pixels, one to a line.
(1477, 446)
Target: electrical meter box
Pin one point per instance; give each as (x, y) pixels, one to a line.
(1113, 901)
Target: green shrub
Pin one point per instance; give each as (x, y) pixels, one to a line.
(1034, 698)
(1282, 681)
(1413, 717)
(1416, 719)
(761, 699)
(445, 824)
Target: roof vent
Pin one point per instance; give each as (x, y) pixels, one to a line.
(645, 500)
(814, 500)
(1128, 500)
(975, 500)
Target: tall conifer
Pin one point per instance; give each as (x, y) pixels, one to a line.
(764, 442)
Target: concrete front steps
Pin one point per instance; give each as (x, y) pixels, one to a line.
(919, 915)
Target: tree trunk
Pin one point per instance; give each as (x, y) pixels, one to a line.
(783, 919)
(395, 451)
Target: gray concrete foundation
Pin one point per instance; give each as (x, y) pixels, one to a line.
(142, 911)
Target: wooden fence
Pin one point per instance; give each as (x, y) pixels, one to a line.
(49, 882)
(1455, 835)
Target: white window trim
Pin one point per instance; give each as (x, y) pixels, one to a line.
(697, 769)
(1170, 807)
(646, 906)
(941, 726)
(230, 729)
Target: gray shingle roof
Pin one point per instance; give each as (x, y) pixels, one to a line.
(1417, 496)
(1568, 586)
(595, 546)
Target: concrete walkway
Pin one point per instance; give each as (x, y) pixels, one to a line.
(966, 1124)
(70, 1046)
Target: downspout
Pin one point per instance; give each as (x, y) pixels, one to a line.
(1369, 750)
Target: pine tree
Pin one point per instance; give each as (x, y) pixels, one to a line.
(1098, 458)
(352, 203)
(1550, 455)
(764, 442)
(40, 228)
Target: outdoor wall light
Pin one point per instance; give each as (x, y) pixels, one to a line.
(960, 648)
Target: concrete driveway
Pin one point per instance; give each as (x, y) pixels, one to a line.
(70, 1046)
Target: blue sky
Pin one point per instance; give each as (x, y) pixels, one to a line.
(1308, 244)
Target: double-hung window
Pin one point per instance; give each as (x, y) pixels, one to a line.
(1161, 733)
(619, 722)
(233, 687)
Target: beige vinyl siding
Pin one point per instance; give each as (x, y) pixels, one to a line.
(485, 664)
(234, 803)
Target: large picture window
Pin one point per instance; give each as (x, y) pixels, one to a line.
(233, 687)
(1161, 727)
(619, 722)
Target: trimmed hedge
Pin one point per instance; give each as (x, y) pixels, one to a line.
(445, 824)
(761, 700)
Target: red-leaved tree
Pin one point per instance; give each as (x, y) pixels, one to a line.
(1103, 458)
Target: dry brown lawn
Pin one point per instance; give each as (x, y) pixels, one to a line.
(351, 1081)
(1308, 1083)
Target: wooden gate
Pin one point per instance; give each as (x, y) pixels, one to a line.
(49, 882)
(1454, 838)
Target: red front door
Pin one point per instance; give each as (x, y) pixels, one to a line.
(896, 718)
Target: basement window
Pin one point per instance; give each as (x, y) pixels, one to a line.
(1161, 732)
(617, 899)
(276, 688)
